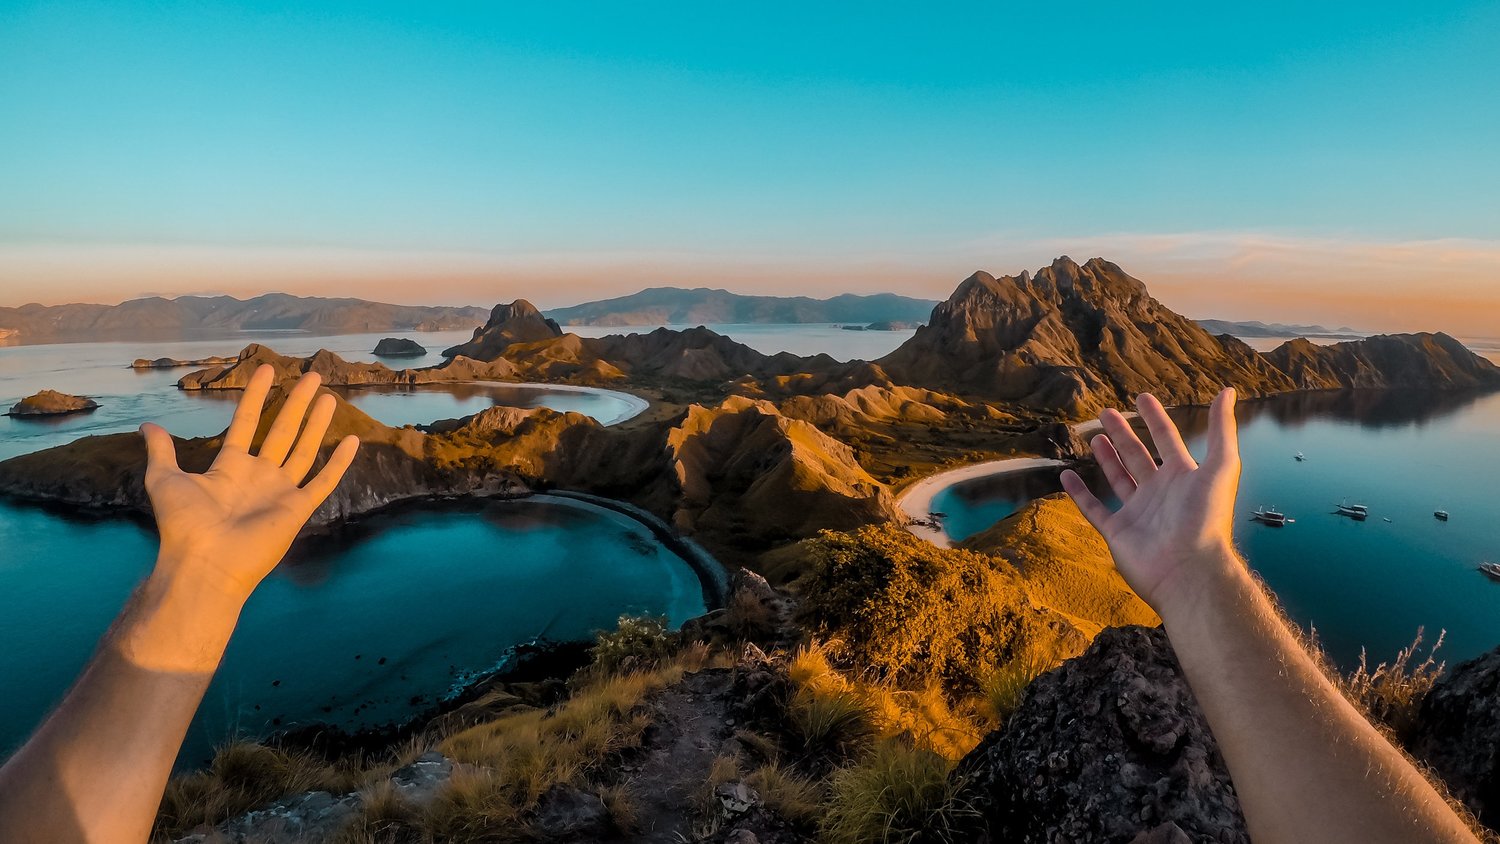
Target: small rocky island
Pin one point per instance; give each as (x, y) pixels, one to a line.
(399, 347)
(51, 403)
(173, 363)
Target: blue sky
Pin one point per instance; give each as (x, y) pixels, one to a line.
(467, 152)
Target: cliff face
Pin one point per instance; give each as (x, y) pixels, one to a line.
(1429, 361)
(1075, 339)
(1458, 735)
(517, 322)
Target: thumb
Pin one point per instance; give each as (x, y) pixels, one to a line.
(161, 452)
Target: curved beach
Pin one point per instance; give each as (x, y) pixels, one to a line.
(916, 501)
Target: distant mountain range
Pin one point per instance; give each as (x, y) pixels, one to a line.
(1256, 328)
(704, 306)
(208, 315)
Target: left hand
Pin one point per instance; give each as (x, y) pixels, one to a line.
(228, 527)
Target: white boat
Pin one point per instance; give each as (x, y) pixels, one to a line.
(1270, 516)
(1358, 512)
(1491, 570)
(1299, 457)
(1441, 515)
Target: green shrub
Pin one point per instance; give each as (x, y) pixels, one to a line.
(638, 643)
(831, 720)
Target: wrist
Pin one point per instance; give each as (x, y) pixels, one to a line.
(178, 621)
(1203, 584)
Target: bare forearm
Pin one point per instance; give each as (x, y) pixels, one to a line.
(1306, 764)
(122, 724)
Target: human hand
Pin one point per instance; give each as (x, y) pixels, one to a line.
(228, 527)
(1173, 528)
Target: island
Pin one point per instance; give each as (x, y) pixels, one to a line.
(399, 347)
(51, 403)
(173, 363)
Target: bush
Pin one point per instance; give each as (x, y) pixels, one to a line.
(836, 721)
(1006, 685)
(638, 643)
(903, 610)
(899, 794)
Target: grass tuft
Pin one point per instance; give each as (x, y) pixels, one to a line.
(898, 794)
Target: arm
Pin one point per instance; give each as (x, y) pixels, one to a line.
(96, 769)
(1307, 766)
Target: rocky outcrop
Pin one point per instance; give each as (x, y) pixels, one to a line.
(1073, 339)
(1109, 747)
(1425, 361)
(398, 347)
(173, 363)
(334, 370)
(744, 469)
(518, 322)
(51, 403)
(1458, 734)
(1065, 564)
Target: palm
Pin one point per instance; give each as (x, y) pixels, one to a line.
(1171, 512)
(238, 518)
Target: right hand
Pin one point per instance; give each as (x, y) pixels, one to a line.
(1173, 528)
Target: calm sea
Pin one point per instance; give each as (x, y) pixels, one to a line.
(1360, 584)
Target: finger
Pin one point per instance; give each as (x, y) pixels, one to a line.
(247, 413)
(289, 421)
(1164, 434)
(323, 483)
(1132, 452)
(1090, 506)
(1114, 471)
(1223, 430)
(161, 452)
(305, 452)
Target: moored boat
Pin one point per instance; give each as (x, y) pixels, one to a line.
(1441, 515)
(1492, 570)
(1358, 512)
(1270, 516)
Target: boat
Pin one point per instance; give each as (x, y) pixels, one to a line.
(1299, 457)
(1492, 570)
(1357, 512)
(1386, 519)
(1441, 515)
(1270, 516)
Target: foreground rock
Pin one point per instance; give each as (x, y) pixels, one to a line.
(173, 363)
(399, 347)
(1108, 747)
(51, 403)
(1458, 735)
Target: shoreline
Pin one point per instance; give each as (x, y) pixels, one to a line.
(636, 405)
(916, 501)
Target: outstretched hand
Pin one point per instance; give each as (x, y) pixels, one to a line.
(1174, 523)
(228, 527)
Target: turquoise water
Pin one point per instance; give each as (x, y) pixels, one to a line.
(1371, 583)
(365, 632)
(129, 397)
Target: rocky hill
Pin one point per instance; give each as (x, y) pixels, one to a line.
(517, 322)
(1076, 338)
(222, 315)
(702, 305)
(1426, 361)
(1073, 339)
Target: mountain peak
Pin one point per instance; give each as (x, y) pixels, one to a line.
(517, 322)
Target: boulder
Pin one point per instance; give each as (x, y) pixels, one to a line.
(51, 403)
(1109, 747)
(399, 347)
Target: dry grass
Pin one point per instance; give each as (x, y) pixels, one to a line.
(795, 798)
(1392, 692)
(898, 794)
(1005, 686)
(245, 776)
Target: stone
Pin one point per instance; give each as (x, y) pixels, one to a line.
(399, 347)
(1457, 733)
(565, 812)
(51, 403)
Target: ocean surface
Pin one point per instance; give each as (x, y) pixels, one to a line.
(1360, 584)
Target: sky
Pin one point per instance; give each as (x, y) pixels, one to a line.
(1331, 162)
